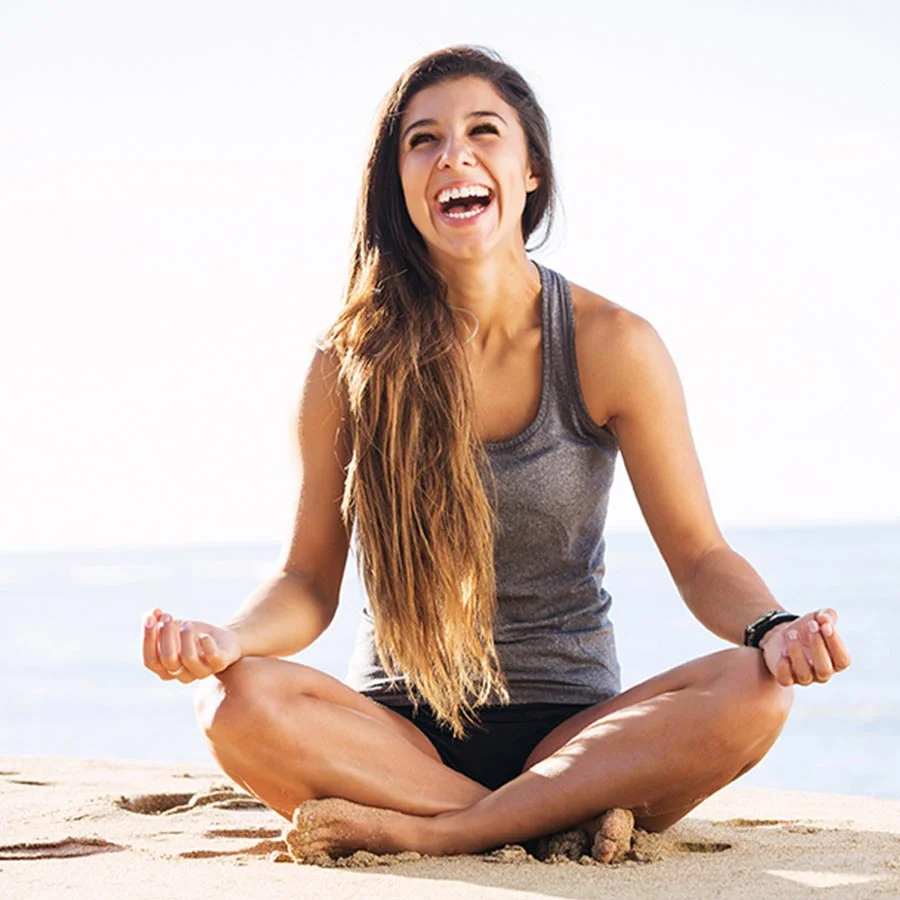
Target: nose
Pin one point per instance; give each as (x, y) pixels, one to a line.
(456, 153)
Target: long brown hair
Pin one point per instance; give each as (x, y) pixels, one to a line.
(418, 481)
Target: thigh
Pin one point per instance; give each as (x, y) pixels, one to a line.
(259, 675)
(289, 733)
(703, 669)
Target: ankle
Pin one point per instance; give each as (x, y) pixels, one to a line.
(443, 835)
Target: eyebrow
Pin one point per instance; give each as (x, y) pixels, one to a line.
(472, 115)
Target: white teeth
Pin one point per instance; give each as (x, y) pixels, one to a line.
(467, 190)
(466, 215)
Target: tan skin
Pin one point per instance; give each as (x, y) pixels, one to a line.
(292, 735)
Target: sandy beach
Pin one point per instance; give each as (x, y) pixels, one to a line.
(107, 829)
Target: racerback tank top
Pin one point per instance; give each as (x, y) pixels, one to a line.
(552, 630)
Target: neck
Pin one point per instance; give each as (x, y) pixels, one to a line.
(502, 293)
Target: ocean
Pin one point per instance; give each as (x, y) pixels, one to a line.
(73, 681)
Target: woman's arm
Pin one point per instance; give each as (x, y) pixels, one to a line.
(631, 383)
(290, 610)
(283, 616)
(723, 573)
(645, 409)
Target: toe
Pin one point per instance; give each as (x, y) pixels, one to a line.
(604, 849)
(613, 837)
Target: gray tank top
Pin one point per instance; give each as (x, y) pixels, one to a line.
(552, 630)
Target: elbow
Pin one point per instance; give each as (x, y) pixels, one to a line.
(691, 569)
(325, 597)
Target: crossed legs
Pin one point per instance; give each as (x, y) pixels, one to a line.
(290, 734)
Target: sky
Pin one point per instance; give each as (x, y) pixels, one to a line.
(177, 182)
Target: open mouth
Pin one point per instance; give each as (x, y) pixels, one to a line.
(464, 203)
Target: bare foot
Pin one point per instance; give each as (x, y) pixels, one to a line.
(610, 835)
(336, 827)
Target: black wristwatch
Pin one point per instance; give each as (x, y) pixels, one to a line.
(754, 632)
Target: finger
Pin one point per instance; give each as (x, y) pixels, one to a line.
(169, 645)
(211, 653)
(192, 657)
(840, 658)
(822, 666)
(148, 648)
(783, 673)
(827, 619)
(799, 663)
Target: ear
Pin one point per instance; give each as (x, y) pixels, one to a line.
(532, 181)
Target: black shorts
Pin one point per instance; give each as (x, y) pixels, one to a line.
(494, 751)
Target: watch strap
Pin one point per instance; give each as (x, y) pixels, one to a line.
(755, 631)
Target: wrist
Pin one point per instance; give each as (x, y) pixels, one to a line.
(761, 626)
(234, 629)
(772, 631)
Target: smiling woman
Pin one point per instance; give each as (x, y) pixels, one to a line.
(475, 466)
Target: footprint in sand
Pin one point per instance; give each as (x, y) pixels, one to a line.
(649, 846)
(25, 781)
(262, 848)
(56, 849)
(273, 843)
(244, 832)
(152, 804)
(222, 797)
(701, 846)
(217, 797)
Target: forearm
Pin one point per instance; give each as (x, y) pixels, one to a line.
(281, 617)
(726, 593)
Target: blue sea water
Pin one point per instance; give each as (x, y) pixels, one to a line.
(73, 682)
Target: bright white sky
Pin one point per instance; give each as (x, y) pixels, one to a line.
(176, 187)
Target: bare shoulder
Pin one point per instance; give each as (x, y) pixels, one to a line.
(613, 347)
(322, 393)
(597, 318)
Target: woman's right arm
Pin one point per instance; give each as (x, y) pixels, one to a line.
(289, 611)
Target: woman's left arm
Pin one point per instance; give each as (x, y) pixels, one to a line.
(645, 408)
(801, 652)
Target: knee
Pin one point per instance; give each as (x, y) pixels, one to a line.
(241, 701)
(234, 699)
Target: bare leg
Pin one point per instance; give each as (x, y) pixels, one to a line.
(288, 733)
(658, 749)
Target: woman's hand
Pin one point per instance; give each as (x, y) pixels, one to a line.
(806, 650)
(187, 650)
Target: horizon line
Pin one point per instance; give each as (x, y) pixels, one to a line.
(797, 525)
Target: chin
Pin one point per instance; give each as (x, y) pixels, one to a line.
(466, 248)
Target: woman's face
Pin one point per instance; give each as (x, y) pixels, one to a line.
(464, 168)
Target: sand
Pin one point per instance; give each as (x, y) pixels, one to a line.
(107, 829)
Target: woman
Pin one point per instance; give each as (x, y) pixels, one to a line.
(464, 414)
